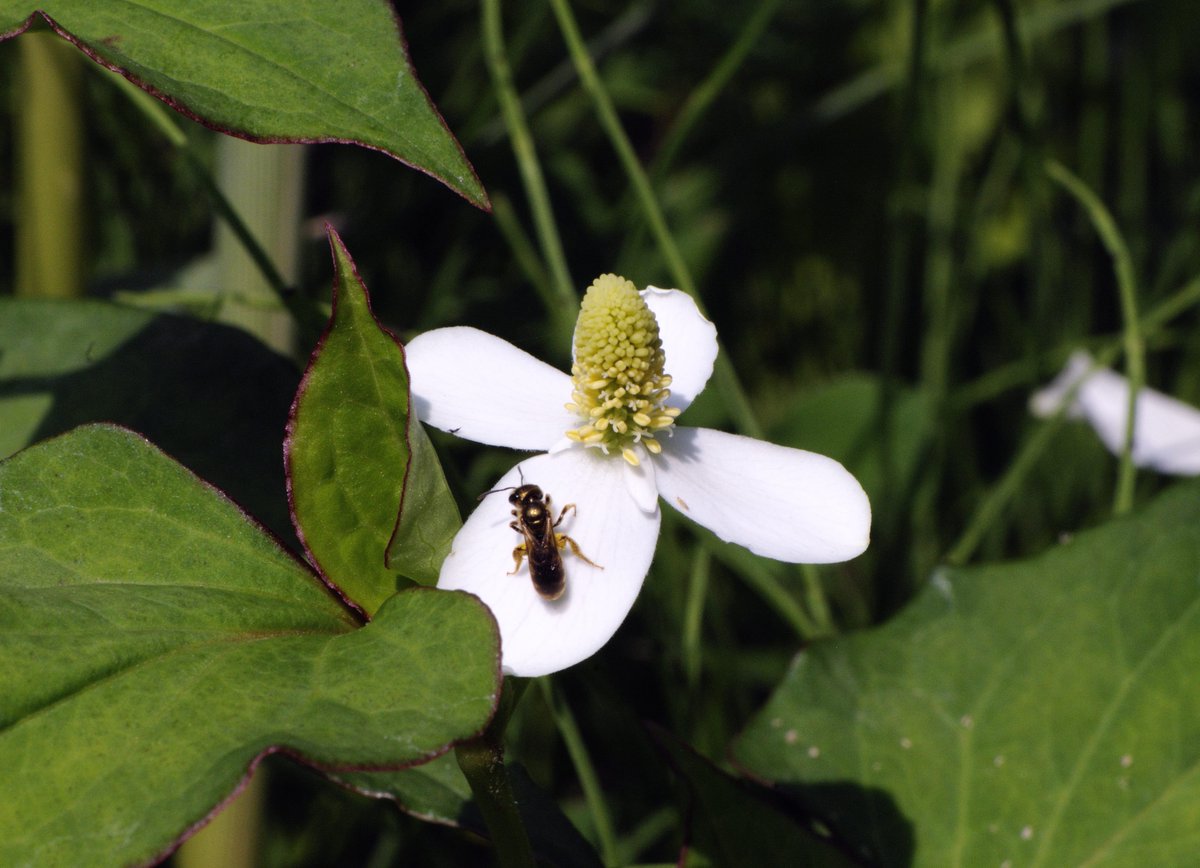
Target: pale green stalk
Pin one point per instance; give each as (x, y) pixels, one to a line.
(564, 300)
(305, 315)
(49, 168)
(1134, 345)
(585, 771)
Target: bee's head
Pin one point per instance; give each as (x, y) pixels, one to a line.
(524, 494)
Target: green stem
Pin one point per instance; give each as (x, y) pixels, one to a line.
(699, 101)
(586, 772)
(1134, 346)
(522, 248)
(564, 299)
(481, 760)
(726, 377)
(693, 614)
(49, 158)
(997, 500)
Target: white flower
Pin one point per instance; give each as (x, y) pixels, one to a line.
(610, 446)
(1166, 432)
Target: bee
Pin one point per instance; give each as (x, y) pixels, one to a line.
(543, 545)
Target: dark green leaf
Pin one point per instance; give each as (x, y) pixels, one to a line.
(429, 516)
(438, 792)
(270, 71)
(742, 823)
(209, 394)
(1040, 713)
(156, 643)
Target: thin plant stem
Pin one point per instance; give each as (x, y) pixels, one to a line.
(563, 299)
(693, 614)
(726, 377)
(1002, 493)
(481, 760)
(522, 247)
(1134, 344)
(701, 98)
(585, 771)
(761, 576)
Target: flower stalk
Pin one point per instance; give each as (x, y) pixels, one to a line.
(481, 760)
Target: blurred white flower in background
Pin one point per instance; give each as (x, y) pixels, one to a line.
(1166, 434)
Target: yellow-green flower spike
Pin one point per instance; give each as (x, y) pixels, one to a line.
(620, 388)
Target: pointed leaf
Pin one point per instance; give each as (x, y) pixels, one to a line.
(269, 71)
(1038, 713)
(348, 457)
(156, 644)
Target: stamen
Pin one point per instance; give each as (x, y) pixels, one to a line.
(619, 385)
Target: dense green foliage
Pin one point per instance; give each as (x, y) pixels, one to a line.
(858, 191)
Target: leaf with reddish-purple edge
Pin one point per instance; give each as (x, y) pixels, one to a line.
(270, 71)
(349, 464)
(156, 643)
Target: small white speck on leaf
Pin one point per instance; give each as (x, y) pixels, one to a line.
(966, 721)
(814, 751)
(1126, 761)
(906, 742)
(998, 760)
(791, 736)
(1026, 833)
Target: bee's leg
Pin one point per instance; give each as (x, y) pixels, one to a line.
(570, 507)
(563, 540)
(518, 556)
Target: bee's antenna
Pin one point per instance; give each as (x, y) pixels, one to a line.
(520, 470)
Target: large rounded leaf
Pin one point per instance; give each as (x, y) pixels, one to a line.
(1042, 713)
(156, 643)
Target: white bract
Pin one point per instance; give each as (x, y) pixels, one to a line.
(610, 446)
(1166, 432)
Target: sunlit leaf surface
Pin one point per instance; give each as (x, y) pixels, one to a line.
(156, 643)
(1041, 713)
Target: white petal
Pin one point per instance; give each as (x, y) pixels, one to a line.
(781, 503)
(1166, 433)
(480, 387)
(540, 636)
(689, 342)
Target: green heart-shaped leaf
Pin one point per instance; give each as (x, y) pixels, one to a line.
(270, 71)
(1041, 713)
(156, 643)
(349, 463)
